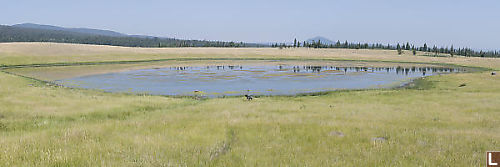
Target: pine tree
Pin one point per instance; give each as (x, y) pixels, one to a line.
(414, 50)
(452, 51)
(398, 47)
(295, 42)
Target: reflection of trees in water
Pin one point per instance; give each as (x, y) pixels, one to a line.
(319, 69)
(398, 69)
(183, 68)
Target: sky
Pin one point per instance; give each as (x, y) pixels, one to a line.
(470, 23)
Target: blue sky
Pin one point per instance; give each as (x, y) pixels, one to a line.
(473, 23)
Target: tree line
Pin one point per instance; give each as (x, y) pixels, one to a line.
(18, 34)
(464, 51)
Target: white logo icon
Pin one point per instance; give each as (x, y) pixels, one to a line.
(489, 160)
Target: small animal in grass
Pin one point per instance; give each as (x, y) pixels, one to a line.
(462, 85)
(249, 97)
(493, 73)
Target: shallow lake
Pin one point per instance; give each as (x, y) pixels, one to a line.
(254, 79)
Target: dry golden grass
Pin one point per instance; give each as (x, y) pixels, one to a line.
(436, 124)
(29, 53)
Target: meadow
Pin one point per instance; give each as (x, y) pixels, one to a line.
(433, 122)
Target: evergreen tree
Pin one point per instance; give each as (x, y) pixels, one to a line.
(398, 47)
(435, 49)
(414, 50)
(452, 51)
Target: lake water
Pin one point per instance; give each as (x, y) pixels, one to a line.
(257, 79)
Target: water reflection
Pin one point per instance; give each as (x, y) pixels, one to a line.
(224, 80)
(319, 69)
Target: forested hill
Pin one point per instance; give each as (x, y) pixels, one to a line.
(80, 30)
(45, 33)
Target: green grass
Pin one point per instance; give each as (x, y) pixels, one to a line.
(432, 123)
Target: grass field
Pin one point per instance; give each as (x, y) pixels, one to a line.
(434, 123)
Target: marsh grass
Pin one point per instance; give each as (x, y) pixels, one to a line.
(432, 123)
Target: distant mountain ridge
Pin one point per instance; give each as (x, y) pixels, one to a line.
(322, 39)
(29, 32)
(78, 30)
